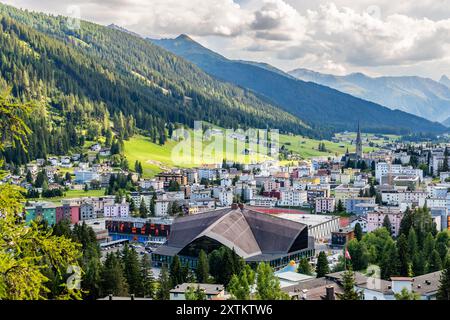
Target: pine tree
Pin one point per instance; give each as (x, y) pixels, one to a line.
(340, 206)
(428, 246)
(113, 280)
(390, 263)
(405, 261)
(176, 272)
(435, 262)
(240, 285)
(406, 223)
(132, 271)
(445, 162)
(387, 224)
(348, 284)
(359, 254)
(163, 292)
(148, 281)
(444, 283)
(418, 264)
(268, 285)
(322, 267)
(358, 231)
(143, 212)
(412, 242)
(442, 244)
(304, 267)
(152, 205)
(202, 271)
(29, 177)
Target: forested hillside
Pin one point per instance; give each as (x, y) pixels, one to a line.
(82, 78)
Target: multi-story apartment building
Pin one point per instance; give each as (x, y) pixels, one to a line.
(325, 205)
(383, 169)
(68, 212)
(224, 196)
(167, 177)
(259, 201)
(201, 194)
(395, 197)
(344, 192)
(375, 219)
(87, 211)
(117, 210)
(41, 211)
(292, 198)
(350, 203)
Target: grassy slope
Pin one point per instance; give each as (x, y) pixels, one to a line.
(73, 194)
(156, 158)
(308, 148)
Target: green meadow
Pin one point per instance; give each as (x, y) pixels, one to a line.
(186, 154)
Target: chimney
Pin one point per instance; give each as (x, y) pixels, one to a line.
(329, 293)
(234, 206)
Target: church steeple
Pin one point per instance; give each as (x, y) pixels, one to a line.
(359, 152)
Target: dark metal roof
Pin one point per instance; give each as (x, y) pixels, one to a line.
(254, 235)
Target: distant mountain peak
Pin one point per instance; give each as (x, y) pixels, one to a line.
(119, 28)
(445, 81)
(184, 36)
(423, 97)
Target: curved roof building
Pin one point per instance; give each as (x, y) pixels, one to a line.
(253, 235)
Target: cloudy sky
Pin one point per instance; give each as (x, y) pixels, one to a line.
(377, 37)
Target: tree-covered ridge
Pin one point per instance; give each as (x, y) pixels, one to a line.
(128, 74)
(325, 109)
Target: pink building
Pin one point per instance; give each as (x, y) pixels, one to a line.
(69, 212)
(375, 219)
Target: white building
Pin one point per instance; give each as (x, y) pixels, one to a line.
(292, 198)
(153, 183)
(383, 169)
(161, 207)
(200, 194)
(116, 210)
(224, 196)
(85, 176)
(395, 198)
(207, 173)
(436, 202)
(259, 201)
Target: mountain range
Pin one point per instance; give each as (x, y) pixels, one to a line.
(320, 106)
(87, 74)
(416, 95)
(42, 56)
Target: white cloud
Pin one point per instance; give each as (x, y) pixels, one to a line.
(344, 35)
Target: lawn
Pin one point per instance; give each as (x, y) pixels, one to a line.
(308, 148)
(156, 158)
(70, 194)
(172, 154)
